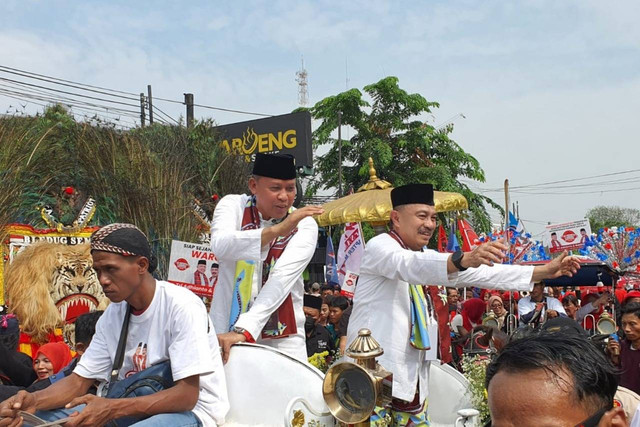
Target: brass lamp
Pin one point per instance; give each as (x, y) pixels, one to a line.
(490, 320)
(353, 390)
(606, 324)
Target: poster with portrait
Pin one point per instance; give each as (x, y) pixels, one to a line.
(348, 287)
(567, 236)
(194, 267)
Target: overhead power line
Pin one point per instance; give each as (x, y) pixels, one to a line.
(94, 112)
(69, 93)
(550, 183)
(59, 100)
(64, 82)
(111, 92)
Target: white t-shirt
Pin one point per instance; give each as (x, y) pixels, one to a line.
(174, 327)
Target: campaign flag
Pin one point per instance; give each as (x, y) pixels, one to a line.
(470, 239)
(350, 251)
(442, 239)
(453, 245)
(515, 224)
(331, 267)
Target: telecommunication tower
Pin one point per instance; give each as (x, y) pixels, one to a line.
(303, 93)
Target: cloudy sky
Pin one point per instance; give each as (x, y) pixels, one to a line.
(549, 90)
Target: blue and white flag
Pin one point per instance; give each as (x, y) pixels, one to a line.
(330, 261)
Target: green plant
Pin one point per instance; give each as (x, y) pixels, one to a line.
(149, 176)
(474, 370)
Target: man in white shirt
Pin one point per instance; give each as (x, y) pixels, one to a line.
(536, 307)
(389, 290)
(263, 246)
(167, 323)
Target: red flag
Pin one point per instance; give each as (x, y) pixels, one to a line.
(442, 239)
(469, 237)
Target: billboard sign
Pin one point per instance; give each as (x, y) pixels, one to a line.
(567, 236)
(286, 134)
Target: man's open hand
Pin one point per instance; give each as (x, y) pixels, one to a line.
(292, 220)
(563, 266)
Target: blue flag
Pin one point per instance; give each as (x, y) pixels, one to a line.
(332, 268)
(452, 244)
(515, 225)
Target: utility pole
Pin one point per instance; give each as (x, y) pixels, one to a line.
(188, 100)
(339, 154)
(141, 109)
(150, 100)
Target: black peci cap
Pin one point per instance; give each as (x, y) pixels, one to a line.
(412, 194)
(278, 166)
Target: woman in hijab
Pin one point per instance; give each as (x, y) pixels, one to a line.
(471, 316)
(50, 359)
(497, 307)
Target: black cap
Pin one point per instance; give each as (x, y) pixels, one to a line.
(278, 166)
(201, 262)
(123, 239)
(412, 194)
(312, 301)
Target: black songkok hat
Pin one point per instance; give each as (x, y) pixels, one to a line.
(202, 261)
(278, 166)
(125, 240)
(312, 301)
(412, 193)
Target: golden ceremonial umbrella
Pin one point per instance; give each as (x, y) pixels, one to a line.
(372, 203)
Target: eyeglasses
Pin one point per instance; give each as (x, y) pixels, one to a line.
(594, 419)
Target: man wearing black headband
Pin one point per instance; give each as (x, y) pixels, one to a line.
(167, 322)
(391, 301)
(263, 245)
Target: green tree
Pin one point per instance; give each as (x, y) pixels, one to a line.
(405, 149)
(610, 216)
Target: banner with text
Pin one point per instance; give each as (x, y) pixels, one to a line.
(350, 253)
(194, 267)
(567, 236)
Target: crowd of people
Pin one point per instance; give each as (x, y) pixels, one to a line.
(153, 329)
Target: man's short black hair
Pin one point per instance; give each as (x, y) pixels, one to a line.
(594, 378)
(631, 308)
(339, 301)
(451, 289)
(326, 287)
(554, 234)
(86, 326)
